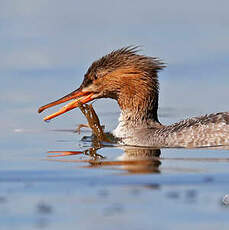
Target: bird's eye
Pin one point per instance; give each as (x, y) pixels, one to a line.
(88, 82)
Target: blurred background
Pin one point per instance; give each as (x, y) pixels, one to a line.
(47, 46)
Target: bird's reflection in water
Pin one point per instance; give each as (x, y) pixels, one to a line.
(133, 159)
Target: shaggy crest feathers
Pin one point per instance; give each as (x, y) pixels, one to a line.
(128, 58)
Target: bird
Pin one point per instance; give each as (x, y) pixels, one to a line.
(132, 80)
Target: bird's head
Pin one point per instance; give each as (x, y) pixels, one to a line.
(122, 75)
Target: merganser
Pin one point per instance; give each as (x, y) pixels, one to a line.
(132, 80)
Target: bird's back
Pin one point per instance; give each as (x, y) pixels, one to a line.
(208, 130)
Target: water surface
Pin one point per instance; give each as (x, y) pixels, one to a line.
(46, 47)
(184, 186)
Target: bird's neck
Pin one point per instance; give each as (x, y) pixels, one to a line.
(138, 110)
(139, 103)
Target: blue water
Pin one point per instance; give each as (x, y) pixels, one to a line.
(46, 48)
